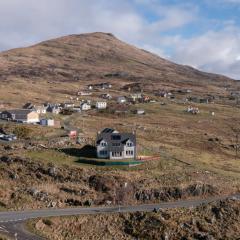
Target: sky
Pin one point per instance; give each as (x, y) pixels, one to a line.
(204, 34)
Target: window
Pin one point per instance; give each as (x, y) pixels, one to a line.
(104, 153)
(116, 154)
(116, 144)
(116, 137)
(104, 144)
(129, 144)
(129, 153)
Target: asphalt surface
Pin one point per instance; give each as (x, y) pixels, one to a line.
(13, 222)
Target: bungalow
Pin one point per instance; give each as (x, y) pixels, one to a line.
(121, 99)
(47, 122)
(113, 145)
(40, 109)
(84, 93)
(101, 105)
(68, 105)
(135, 97)
(85, 106)
(106, 96)
(20, 115)
(54, 109)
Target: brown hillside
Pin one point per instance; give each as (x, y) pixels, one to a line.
(69, 62)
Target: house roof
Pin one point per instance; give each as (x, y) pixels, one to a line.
(115, 139)
(19, 111)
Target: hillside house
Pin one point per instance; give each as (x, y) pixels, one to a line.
(54, 109)
(68, 105)
(121, 99)
(101, 105)
(47, 122)
(193, 110)
(106, 96)
(113, 145)
(85, 106)
(20, 115)
(135, 97)
(40, 109)
(84, 93)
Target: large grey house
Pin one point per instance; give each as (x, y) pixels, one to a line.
(111, 144)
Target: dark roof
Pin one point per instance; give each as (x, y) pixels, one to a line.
(111, 137)
(108, 130)
(19, 111)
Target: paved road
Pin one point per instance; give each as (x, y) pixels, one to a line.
(12, 221)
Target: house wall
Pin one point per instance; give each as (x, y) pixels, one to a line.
(129, 150)
(101, 147)
(32, 117)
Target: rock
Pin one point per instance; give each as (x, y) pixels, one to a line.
(52, 171)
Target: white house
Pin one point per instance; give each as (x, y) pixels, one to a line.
(40, 109)
(85, 106)
(101, 105)
(121, 99)
(116, 146)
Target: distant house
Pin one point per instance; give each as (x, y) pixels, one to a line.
(135, 97)
(54, 109)
(121, 99)
(85, 106)
(84, 93)
(193, 110)
(68, 105)
(139, 112)
(101, 105)
(20, 115)
(106, 96)
(114, 145)
(47, 122)
(40, 109)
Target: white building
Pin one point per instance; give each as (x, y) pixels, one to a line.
(101, 105)
(121, 100)
(85, 106)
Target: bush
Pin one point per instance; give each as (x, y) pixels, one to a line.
(22, 131)
(47, 222)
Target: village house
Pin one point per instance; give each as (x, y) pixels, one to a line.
(121, 99)
(106, 96)
(20, 115)
(85, 106)
(40, 109)
(193, 110)
(68, 105)
(101, 105)
(47, 122)
(139, 111)
(113, 145)
(54, 109)
(84, 93)
(135, 97)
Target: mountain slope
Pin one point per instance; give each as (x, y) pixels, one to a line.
(77, 59)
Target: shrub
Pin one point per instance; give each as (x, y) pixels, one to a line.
(22, 131)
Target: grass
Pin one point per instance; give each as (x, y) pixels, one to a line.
(51, 156)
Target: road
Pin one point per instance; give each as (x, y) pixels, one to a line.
(13, 221)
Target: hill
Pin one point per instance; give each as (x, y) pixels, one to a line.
(62, 65)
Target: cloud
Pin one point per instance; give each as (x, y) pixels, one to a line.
(214, 51)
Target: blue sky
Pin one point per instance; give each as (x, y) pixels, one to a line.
(202, 33)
